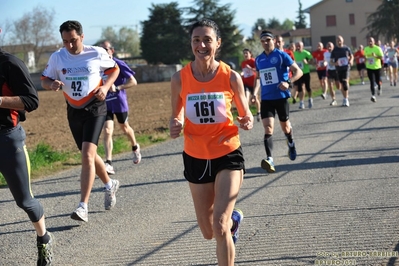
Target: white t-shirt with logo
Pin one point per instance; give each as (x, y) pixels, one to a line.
(81, 73)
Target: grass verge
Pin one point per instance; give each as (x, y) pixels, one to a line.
(45, 161)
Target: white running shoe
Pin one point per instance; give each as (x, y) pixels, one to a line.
(137, 155)
(333, 103)
(109, 168)
(373, 99)
(345, 102)
(310, 103)
(80, 214)
(109, 195)
(301, 105)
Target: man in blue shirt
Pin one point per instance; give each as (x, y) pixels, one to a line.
(273, 66)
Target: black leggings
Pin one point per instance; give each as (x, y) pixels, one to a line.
(374, 77)
(15, 167)
(305, 79)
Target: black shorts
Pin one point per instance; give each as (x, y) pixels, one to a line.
(360, 66)
(305, 79)
(249, 88)
(322, 74)
(201, 171)
(343, 75)
(332, 75)
(120, 117)
(268, 108)
(86, 124)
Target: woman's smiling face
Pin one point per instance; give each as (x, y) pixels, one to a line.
(204, 42)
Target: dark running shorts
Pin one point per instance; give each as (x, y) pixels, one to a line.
(120, 117)
(268, 108)
(201, 171)
(322, 73)
(250, 89)
(360, 66)
(86, 124)
(332, 75)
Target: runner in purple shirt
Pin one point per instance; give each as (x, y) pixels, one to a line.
(117, 105)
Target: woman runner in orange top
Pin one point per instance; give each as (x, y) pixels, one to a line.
(202, 95)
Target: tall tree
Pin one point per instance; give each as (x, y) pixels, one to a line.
(259, 25)
(224, 17)
(164, 39)
(5, 28)
(129, 41)
(384, 21)
(109, 34)
(287, 24)
(35, 30)
(126, 40)
(301, 23)
(274, 23)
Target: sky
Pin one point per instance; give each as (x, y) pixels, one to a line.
(94, 15)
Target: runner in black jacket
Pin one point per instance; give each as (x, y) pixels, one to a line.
(17, 95)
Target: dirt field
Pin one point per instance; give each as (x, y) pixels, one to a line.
(150, 111)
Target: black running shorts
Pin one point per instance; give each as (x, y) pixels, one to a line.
(201, 171)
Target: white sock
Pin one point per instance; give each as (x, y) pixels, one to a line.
(83, 205)
(108, 186)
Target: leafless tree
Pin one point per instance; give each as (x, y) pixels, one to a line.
(35, 31)
(5, 28)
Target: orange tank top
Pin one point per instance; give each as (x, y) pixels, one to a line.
(209, 130)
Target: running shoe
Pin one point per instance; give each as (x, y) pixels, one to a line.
(293, 100)
(301, 105)
(109, 195)
(324, 96)
(345, 102)
(379, 92)
(310, 103)
(80, 214)
(268, 165)
(333, 103)
(258, 117)
(363, 83)
(237, 216)
(373, 99)
(291, 151)
(109, 168)
(45, 252)
(137, 155)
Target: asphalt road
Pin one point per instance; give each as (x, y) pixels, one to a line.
(336, 203)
